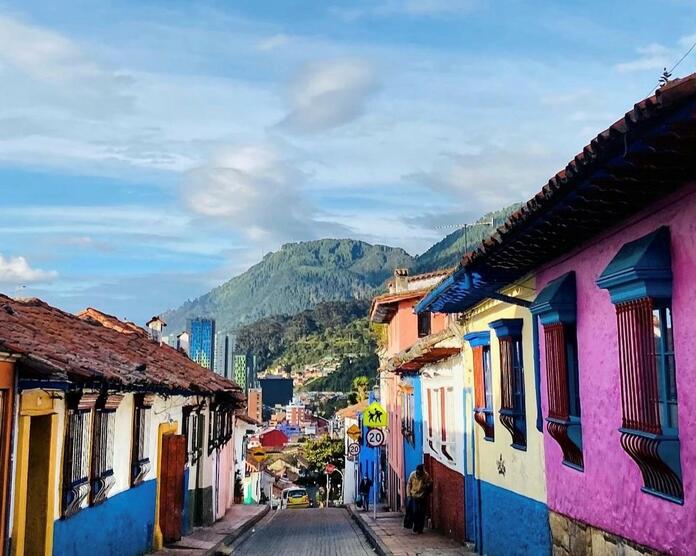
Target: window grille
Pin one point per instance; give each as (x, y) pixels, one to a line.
(76, 453)
(639, 281)
(555, 306)
(103, 447)
(140, 465)
(424, 321)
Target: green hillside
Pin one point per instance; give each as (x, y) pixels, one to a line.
(295, 278)
(448, 251)
(337, 332)
(307, 303)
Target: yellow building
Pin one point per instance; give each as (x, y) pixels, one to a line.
(505, 482)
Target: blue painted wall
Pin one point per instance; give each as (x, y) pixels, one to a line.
(367, 456)
(120, 526)
(513, 524)
(413, 453)
(186, 517)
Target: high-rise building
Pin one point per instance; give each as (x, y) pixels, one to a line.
(244, 370)
(202, 341)
(224, 345)
(255, 404)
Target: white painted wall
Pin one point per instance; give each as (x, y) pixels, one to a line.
(350, 473)
(448, 374)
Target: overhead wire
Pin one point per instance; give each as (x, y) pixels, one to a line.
(675, 66)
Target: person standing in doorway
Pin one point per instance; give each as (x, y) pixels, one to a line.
(417, 490)
(364, 491)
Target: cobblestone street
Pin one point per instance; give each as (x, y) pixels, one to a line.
(312, 532)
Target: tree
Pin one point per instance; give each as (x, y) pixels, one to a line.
(322, 451)
(361, 386)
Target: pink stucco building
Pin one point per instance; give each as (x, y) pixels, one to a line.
(611, 244)
(610, 493)
(395, 310)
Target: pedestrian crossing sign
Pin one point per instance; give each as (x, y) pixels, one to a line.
(375, 416)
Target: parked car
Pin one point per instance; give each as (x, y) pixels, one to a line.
(295, 497)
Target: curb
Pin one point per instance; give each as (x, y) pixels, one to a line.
(229, 539)
(373, 539)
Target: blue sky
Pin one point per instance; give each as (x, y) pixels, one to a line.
(151, 150)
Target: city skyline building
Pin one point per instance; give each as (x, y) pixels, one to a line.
(224, 348)
(244, 370)
(202, 341)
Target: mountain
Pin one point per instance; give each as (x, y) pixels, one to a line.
(300, 275)
(295, 278)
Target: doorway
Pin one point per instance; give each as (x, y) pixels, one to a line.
(35, 475)
(172, 486)
(38, 484)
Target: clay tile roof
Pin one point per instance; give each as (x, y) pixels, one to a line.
(98, 349)
(384, 306)
(248, 419)
(353, 410)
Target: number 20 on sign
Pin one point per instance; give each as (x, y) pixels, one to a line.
(374, 438)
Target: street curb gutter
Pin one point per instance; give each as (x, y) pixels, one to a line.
(373, 539)
(229, 539)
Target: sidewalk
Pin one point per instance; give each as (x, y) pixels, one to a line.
(205, 541)
(389, 537)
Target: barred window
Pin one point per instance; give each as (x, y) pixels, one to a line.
(512, 406)
(639, 281)
(76, 453)
(140, 462)
(103, 447)
(194, 430)
(483, 382)
(555, 306)
(424, 324)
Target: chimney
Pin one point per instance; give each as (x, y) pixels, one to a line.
(400, 280)
(156, 326)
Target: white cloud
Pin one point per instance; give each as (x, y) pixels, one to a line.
(651, 57)
(488, 176)
(409, 8)
(257, 192)
(16, 271)
(329, 93)
(47, 65)
(273, 42)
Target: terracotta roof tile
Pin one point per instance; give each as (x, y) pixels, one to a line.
(99, 349)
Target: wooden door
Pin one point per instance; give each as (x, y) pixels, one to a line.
(172, 486)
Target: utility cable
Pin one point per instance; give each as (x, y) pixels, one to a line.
(668, 74)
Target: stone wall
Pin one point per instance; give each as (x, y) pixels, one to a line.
(575, 538)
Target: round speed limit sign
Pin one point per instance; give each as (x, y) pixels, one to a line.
(353, 449)
(374, 438)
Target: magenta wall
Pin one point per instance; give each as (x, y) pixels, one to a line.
(607, 494)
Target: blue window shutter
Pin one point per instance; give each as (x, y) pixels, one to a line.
(557, 301)
(641, 268)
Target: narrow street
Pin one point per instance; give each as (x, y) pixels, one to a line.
(310, 532)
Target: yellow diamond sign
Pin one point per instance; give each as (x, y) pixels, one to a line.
(353, 432)
(375, 416)
(259, 454)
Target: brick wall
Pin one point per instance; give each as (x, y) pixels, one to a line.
(447, 499)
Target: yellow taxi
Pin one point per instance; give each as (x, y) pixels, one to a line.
(295, 497)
